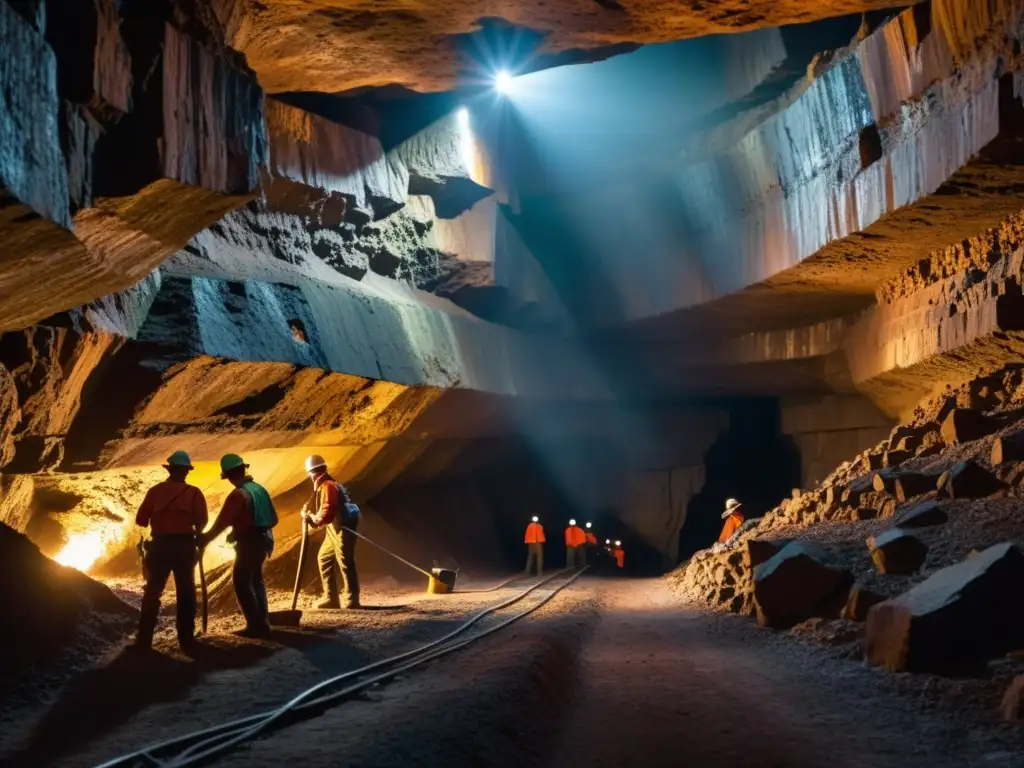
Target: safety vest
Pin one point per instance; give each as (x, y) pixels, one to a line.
(263, 513)
(574, 536)
(591, 539)
(535, 534)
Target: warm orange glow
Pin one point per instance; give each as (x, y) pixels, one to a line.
(81, 551)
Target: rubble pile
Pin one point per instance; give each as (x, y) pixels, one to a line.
(921, 538)
(48, 607)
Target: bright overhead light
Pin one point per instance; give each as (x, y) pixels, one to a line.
(462, 115)
(503, 81)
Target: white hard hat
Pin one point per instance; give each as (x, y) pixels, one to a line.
(731, 505)
(536, 519)
(607, 541)
(589, 524)
(618, 543)
(315, 462)
(572, 522)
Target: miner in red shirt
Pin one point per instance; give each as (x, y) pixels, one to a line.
(175, 512)
(334, 511)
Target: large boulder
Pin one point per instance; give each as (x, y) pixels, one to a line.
(760, 551)
(969, 480)
(1007, 448)
(860, 601)
(962, 425)
(904, 484)
(1013, 701)
(897, 552)
(796, 584)
(921, 515)
(967, 612)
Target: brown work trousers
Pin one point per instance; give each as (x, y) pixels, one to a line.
(575, 557)
(535, 557)
(338, 554)
(252, 549)
(169, 553)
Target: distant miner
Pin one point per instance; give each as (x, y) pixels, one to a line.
(535, 547)
(250, 513)
(733, 517)
(590, 544)
(334, 512)
(575, 541)
(619, 554)
(176, 513)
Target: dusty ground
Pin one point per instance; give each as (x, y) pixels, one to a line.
(611, 672)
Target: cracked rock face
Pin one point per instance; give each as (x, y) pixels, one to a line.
(423, 47)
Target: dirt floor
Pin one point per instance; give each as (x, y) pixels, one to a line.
(611, 672)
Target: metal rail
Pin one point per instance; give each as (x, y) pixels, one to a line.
(201, 746)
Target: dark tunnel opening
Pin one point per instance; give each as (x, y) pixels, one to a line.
(752, 462)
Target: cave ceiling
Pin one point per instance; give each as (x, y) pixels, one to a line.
(333, 46)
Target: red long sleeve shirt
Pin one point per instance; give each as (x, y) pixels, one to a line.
(328, 501)
(173, 508)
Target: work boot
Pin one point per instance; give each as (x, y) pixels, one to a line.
(254, 632)
(328, 603)
(353, 604)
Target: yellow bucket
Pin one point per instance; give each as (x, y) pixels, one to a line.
(442, 581)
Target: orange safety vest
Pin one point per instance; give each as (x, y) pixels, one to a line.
(535, 534)
(620, 556)
(574, 536)
(732, 522)
(591, 538)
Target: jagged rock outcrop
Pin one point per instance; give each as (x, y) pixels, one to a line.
(147, 136)
(427, 50)
(45, 604)
(963, 613)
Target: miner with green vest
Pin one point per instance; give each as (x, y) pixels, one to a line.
(250, 513)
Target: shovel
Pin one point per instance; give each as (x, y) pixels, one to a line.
(291, 617)
(202, 587)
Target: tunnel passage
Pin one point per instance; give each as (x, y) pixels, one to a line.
(752, 462)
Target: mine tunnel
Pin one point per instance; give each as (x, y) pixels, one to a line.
(511, 384)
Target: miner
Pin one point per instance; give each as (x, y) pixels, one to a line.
(575, 540)
(249, 512)
(334, 511)
(733, 517)
(176, 513)
(535, 547)
(590, 544)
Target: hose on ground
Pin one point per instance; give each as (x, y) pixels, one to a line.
(210, 742)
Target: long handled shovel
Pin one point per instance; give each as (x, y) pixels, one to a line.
(202, 587)
(291, 618)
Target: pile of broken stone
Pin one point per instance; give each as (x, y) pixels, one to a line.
(919, 539)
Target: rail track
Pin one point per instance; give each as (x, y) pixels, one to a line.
(201, 747)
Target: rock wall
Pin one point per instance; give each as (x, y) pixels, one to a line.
(900, 147)
(139, 132)
(831, 429)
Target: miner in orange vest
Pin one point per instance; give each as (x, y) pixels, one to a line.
(535, 547)
(733, 519)
(619, 554)
(575, 541)
(590, 544)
